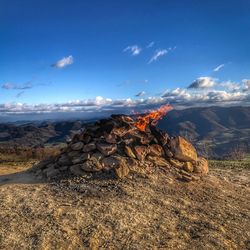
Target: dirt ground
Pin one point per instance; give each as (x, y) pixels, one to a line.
(149, 210)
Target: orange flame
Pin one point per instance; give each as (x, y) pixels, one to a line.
(153, 117)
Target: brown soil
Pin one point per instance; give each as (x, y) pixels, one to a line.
(150, 210)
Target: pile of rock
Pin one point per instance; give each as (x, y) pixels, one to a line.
(114, 145)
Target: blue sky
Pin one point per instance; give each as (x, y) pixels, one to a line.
(88, 55)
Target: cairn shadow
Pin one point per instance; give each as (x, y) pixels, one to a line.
(24, 177)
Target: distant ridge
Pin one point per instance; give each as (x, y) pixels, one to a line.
(220, 128)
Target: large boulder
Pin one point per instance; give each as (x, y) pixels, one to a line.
(201, 166)
(182, 149)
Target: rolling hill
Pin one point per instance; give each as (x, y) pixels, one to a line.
(214, 130)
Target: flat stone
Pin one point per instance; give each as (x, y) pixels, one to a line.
(85, 138)
(110, 162)
(77, 146)
(141, 152)
(188, 166)
(186, 178)
(182, 149)
(120, 131)
(109, 137)
(131, 162)
(96, 156)
(89, 147)
(195, 178)
(91, 166)
(158, 161)
(128, 141)
(155, 150)
(129, 152)
(73, 154)
(176, 163)
(123, 118)
(80, 159)
(121, 171)
(201, 166)
(106, 149)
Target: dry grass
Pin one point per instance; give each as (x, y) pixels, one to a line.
(150, 210)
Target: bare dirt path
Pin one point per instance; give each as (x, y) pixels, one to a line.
(144, 212)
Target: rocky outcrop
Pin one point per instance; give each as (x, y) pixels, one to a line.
(114, 145)
(182, 149)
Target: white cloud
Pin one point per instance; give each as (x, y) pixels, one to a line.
(157, 55)
(10, 86)
(232, 86)
(218, 68)
(202, 83)
(150, 45)
(177, 97)
(246, 84)
(134, 50)
(65, 61)
(142, 93)
(218, 97)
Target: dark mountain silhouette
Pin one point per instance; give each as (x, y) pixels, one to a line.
(35, 134)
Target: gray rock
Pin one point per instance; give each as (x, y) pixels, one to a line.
(77, 170)
(64, 160)
(96, 156)
(106, 149)
(81, 158)
(73, 154)
(77, 146)
(91, 166)
(110, 162)
(64, 168)
(110, 138)
(89, 147)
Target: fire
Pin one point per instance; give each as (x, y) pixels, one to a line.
(153, 117)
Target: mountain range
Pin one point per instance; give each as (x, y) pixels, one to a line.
(214, 130)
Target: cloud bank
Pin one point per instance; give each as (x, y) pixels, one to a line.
(179, 97)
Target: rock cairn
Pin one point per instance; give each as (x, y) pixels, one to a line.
(116, 144)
